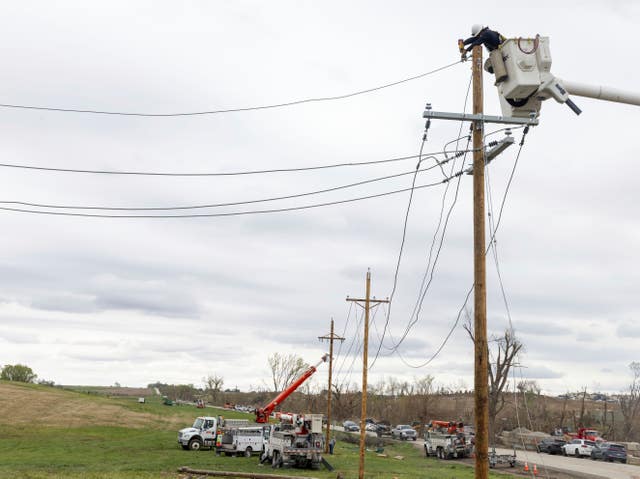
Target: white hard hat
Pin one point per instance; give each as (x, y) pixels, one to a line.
(475, 29)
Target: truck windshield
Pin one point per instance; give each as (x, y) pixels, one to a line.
(198, 423)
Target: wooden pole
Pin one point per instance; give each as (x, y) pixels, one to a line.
(331, 338)
(365, 359)
(481, 352)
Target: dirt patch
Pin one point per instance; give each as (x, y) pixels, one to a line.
(34, 406)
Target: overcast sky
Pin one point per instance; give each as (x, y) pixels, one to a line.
(99, 301)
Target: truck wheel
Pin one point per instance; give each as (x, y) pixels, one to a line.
(247, 452)
(195, 444)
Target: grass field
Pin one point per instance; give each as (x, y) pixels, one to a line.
(51, 433)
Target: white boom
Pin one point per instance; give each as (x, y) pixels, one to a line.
(601, 93)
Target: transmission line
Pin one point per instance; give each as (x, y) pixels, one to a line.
(228, 110)
(231, 173)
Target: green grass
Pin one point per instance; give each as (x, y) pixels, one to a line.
(39, 451)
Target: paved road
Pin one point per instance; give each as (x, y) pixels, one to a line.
(608, 470)
(584, 466)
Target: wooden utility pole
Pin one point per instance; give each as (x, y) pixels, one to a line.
(481, 353)
(365, 360)
(330, 337)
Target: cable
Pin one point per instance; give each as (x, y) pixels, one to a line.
(219, 215)
(455, 324)
(217, 205)
(230, 110)
(346, 325)
(233, 173)
(456, 155)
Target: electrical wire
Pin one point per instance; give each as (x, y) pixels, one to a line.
(221, 215)
(230, 110)
(231, 173)
(346, 325)
(218, 205)
(410, 325)
(464, 304)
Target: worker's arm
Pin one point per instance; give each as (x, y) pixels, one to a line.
(473, 40)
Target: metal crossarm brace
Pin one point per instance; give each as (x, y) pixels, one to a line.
(508, 120)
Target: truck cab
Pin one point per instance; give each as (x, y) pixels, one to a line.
(202, 434)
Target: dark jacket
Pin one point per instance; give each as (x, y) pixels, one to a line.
(486, 37)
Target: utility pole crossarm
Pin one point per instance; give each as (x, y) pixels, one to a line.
(507, 120)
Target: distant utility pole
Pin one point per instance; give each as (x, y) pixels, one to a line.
(365, 359)
(481, 350)
(330, 337)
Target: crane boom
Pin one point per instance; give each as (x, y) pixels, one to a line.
(601, 93)
(262, 414)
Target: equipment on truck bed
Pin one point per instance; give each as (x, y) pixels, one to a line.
(446, 440)
(262, 414)
(297, 441)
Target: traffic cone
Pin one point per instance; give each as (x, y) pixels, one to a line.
(535, 470)
(526, 467)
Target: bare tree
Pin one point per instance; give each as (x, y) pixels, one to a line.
(505, 350)
(213, 385)
(285, 369)
(630, 402)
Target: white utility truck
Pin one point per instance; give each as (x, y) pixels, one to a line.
(446, 440)
(241, 441)
(297, 441)
(205, 430)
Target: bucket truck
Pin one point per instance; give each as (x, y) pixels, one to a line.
(530, 81)
(262, 414)
(297, 440)
(233, 436)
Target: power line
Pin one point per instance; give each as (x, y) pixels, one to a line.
(229, 110)
(232, 173)
(495, 229)
(455, 155)
(218, 205)
(235, 213)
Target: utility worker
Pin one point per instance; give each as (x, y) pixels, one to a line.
(491, 39)
(332, 444)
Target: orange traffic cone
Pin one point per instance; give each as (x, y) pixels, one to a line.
(535, 470)
(526, 467)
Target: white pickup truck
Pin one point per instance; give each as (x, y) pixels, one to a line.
(204, 431)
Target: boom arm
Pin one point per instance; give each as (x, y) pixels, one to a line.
(262, 414)
(601, 93)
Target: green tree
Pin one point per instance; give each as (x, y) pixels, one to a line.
(19, 373)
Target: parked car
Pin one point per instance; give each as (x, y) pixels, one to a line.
(404, 432)
(350, 426)
(551, 445)
(608, 451)
(383, 429)
(578, 448)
